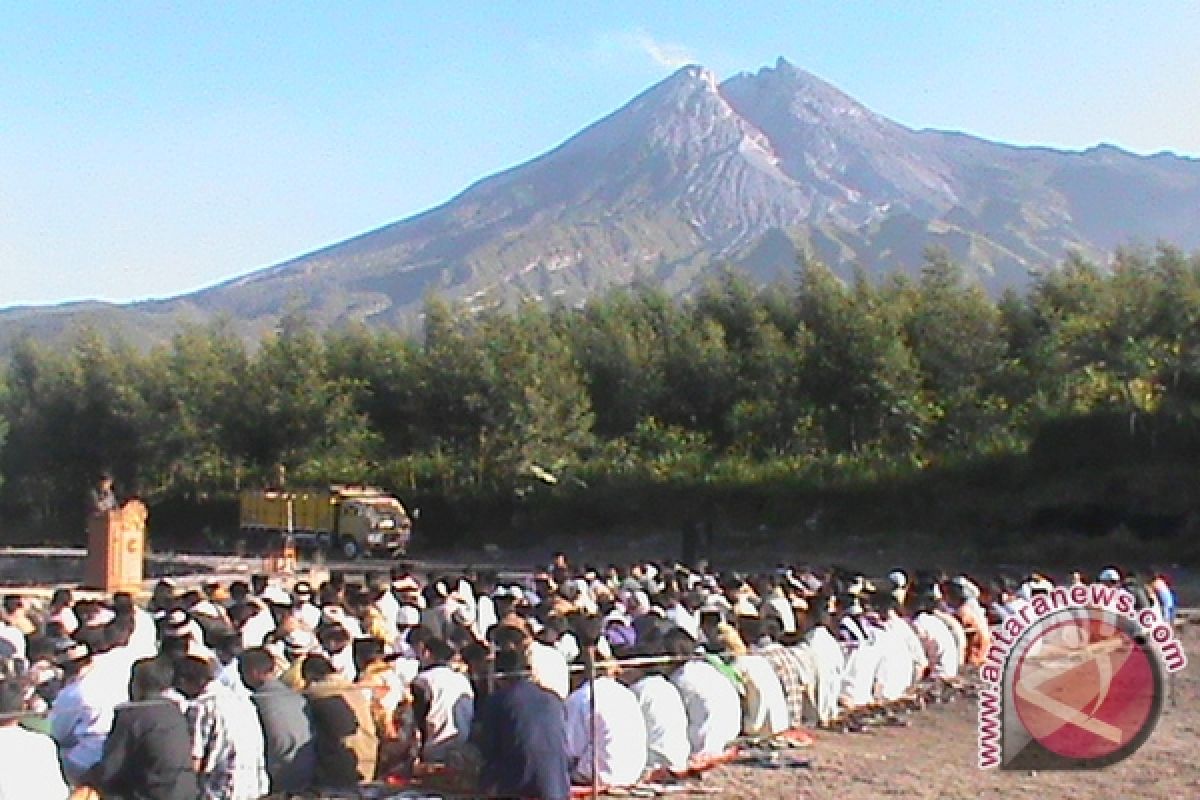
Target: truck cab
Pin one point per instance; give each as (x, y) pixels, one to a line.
(371, 522)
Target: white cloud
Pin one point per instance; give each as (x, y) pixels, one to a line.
(620, 47)
(665, 54)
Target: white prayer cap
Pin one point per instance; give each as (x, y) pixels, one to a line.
(276, 596)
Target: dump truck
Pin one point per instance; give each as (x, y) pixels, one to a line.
(347, 520)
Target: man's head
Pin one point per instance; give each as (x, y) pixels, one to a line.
(367, 651)
(61, 598)
(512, 663)
(151, 677)
(316, 668)
(122, 603)
(509, 637)
(334, 638)
(12, 702)
(73, 657)
(239, 591)
(192, 675)
(435, 652)
(256, 666)
(227, 645)
(13, 603)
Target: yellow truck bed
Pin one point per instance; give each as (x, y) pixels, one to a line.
(269, 509)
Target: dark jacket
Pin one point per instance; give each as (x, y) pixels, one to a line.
(347, 743)
(287, 727)
(148, 755)
(523, 739)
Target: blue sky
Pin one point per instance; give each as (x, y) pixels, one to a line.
(152, 148)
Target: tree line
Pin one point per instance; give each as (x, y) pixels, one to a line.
(815, 380)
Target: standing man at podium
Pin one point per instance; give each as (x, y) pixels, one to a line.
(101, 498)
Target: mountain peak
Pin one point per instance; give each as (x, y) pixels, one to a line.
(686, 79)
(693, 173)
(790, 85)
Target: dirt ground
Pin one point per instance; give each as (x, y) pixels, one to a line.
(935, 759)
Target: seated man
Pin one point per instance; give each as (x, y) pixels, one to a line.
(904, 659)
(522, 735)
(765, 707)
(714, 710)
(148, 755)
(82, 714)
(347, 742)
(29, 765)
(444, 702)
(665, 718)
(796, 674)
(941, 647)
(619, 740)
(829, 661)
(291, 749)
(227, 738)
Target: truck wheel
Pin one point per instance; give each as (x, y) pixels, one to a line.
(349, 549)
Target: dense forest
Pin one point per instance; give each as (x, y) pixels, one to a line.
(805, 386)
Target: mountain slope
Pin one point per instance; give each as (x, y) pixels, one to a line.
(693, 174)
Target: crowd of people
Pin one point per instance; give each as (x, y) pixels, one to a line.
(571, 676)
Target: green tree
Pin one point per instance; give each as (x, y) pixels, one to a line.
(858, 370)
(956, 334)
(618, 342)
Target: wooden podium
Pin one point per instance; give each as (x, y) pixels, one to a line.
(116, 549)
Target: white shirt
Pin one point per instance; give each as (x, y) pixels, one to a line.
(685, 619)
(766, 708)
(550, 670)
(114, 668)
(406, 668)
(940, 647)
(858, 676)
(782, 607)
(714, 710)
(620, 741)
(903, 658)
(143, 643)
(245, 731)
(666, 723)
(82, 717)
(389, 608)
(256, 629)
(568, 646)
(29, 766)
(343, 663)
(230, 676)
(12, 641)
(955, 626)
(830, 662)
(466, 594)
(65, 617)
(451, 710)
(485, 615)
(309, 616)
